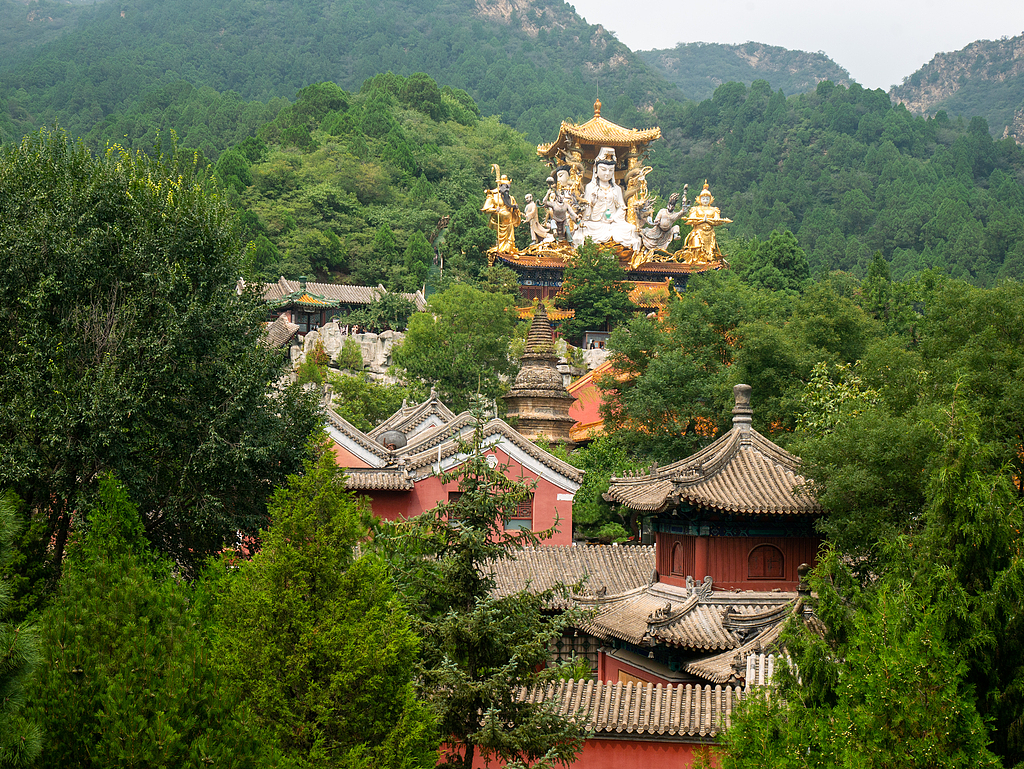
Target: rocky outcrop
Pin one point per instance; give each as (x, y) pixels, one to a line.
(985, 78)
(375, 348)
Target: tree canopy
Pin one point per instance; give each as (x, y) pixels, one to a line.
(460, 345)
(129, 349)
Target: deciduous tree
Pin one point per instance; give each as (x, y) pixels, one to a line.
(128, 348)
(460, 345)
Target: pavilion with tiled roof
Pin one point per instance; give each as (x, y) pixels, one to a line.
(399, 465)
(734, 537)
(310, 304)
(738, 510)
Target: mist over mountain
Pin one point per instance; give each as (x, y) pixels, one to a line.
(985, 78)
(699, 68)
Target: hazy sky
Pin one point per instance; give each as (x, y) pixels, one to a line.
(879, 42)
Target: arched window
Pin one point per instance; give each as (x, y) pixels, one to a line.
(677, 559)
(765, 562)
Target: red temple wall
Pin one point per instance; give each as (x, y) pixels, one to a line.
(628, 753)
(429, 491)
(726, 560)
(615, 670)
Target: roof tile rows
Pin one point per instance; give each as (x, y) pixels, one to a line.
(742, 471)
(280, 332)
(607, 568)
(338, 292)
(377, 480)
(684, 618)
(682, 710)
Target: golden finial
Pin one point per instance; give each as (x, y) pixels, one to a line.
(597, 108)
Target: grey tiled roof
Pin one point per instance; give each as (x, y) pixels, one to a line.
(423, 451)
(280, 332)
(645, 710)
(610, 568)
(344, 294)
(745, 664)
(393, 479)
(408, 418)
(353, 433)
(740, 472)
(685, 618)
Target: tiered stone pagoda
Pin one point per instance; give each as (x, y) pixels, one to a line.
(538, 398)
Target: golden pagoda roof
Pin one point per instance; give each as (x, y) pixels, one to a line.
(598, 131)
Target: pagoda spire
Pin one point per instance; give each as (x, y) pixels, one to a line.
(538, 398)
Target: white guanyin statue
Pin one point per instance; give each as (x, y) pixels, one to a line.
(604, 216)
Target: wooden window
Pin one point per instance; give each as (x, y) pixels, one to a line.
(522, 517)
(765, 562)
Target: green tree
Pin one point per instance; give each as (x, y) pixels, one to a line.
(20, 738)
(128, 675)
(128, 348)
(364, 402)
(778, 264)
(419, 256)
(318, 642)
(460, 345)
(595, 286)
(479, 650)
(883, 688)
(668, 390)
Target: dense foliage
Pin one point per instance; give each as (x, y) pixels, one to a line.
(533, 68)
(129, 675)
(460, 346)
(699, 68)
(318, 642)
(594, 286)
(128, 349)
(20, 737)
(850, 174)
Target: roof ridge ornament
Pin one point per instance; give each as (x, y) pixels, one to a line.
(742, 413)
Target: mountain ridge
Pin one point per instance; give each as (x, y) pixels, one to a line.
(699, 68)
(984, 78)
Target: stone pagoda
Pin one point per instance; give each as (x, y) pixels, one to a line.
(538, 399)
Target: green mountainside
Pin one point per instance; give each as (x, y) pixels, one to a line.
(850, 174)
(348, 184)
(699, 68)
(359, 170)
(985, 78)
(534, 63)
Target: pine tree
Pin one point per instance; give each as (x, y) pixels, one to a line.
(318, 642)
(20, 738)
(127, 677)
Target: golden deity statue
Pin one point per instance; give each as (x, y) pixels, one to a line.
(504, 211)
(701, 245)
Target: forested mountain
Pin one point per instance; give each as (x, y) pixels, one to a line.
(699, 68)
(852, 174)
(351, 183)
(985, 78)
(533, 62)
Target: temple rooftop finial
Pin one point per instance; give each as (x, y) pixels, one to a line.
(742, 413)
(597, 108)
